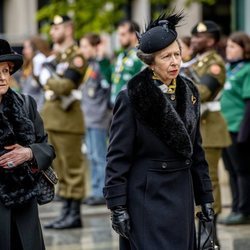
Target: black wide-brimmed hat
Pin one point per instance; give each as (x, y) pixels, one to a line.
(160, 33)
(8, 55)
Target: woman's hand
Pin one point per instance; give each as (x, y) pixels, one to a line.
(120, 221)
(16, 156)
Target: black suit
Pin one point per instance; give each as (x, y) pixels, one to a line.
(155, 164)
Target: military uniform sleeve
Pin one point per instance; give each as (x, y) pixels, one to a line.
(211, 82)
(138, 66)
(42, 151)
(120, 152)
(201, 180)
(71, 78)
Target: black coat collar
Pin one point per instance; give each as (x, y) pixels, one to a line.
(174, 127)
(15, 127)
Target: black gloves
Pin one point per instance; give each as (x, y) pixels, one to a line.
(207, 211)
(120, 221)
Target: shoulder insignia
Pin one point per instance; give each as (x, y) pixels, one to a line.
(215, 69)
(200, 64)
(64, 56)
(78, 61)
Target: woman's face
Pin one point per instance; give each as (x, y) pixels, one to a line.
(88, 51)
(186, 52)
(5, 78)
(234, 51)
(27, 50)
(167, 63)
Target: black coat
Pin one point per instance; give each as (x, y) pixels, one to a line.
(25, 220)
(156, 165)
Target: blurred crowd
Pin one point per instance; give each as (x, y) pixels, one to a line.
(95, 81)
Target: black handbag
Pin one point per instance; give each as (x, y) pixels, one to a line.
(46, 186)
(20, 185)
(206, 233)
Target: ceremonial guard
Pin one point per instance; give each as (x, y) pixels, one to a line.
(64, 121)
(127, 63)
(207, 70)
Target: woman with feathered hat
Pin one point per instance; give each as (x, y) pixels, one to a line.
(156, 167)
(24, 151)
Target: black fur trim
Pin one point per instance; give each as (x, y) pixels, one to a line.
(176, 128)
(16, 127)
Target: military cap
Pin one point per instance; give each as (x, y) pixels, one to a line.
(60, 19)
(8, 55)
(160, 33)
(207, 26)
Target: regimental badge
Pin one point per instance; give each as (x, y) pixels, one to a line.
(58, 19)
(201, 27)
(193, 99)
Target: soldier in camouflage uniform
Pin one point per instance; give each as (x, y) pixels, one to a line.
(127, 63)
(63, 120)
(208, 72)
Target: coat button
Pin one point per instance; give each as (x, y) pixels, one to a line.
(187, 162)
(164, 165)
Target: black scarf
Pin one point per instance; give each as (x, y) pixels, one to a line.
(15, 126)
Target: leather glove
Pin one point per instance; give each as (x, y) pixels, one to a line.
(120, 221)
(207, 211)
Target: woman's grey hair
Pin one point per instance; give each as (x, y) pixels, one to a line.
(146, 58)
(150, 58)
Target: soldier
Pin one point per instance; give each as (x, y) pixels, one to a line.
(127, 63)
(208, 72)
(63, 120)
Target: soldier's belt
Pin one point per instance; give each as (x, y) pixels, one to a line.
(210, 106)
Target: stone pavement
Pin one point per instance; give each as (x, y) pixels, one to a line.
(98, 235)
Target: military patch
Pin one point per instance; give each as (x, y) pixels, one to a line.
(78, 62)
(215, 69)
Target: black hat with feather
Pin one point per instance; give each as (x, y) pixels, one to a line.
(160, 33)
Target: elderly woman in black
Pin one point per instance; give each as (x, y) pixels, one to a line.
(155, 164)
(24, 151)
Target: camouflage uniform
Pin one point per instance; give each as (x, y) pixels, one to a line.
(208, 72)
(126, 66)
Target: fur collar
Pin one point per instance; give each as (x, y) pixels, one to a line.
(15, 126)
(174, 127)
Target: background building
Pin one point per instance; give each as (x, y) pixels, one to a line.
(18, 17)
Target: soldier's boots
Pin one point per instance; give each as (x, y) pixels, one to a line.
(64, 212)
(72, 219)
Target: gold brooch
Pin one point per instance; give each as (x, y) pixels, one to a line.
(193, 99)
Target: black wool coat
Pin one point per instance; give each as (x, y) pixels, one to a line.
(155, 164)
(24, 220)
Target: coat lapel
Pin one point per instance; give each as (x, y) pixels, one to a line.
(155, 111)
